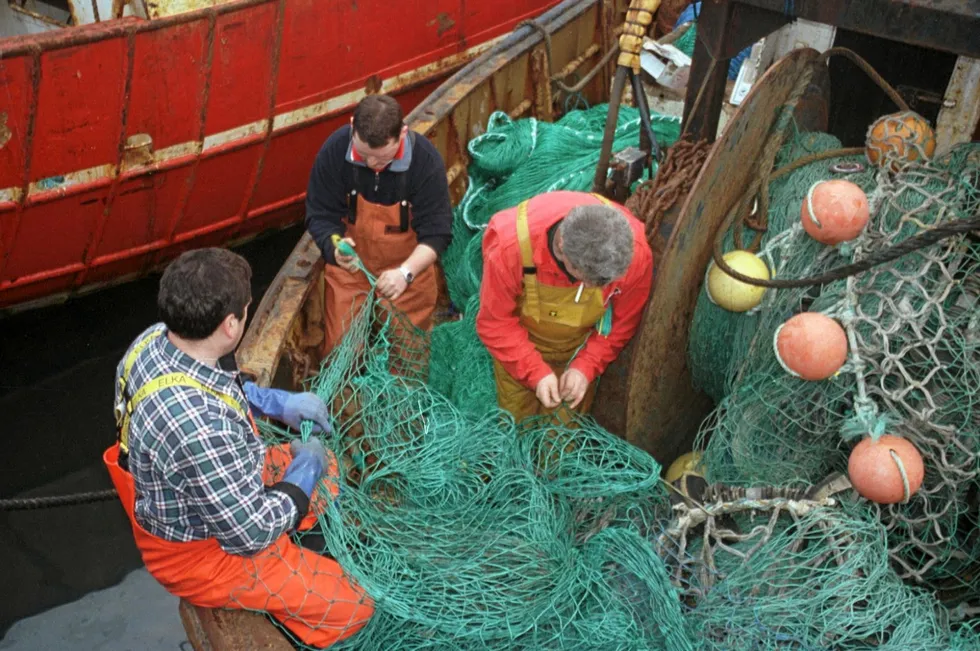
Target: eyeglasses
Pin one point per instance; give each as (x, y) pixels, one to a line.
(377, 157)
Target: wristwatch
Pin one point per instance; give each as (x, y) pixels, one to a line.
(409, 276)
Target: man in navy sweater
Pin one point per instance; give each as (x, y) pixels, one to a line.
(382, 189)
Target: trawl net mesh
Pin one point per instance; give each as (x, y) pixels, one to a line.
(472, 532)
(913, 368)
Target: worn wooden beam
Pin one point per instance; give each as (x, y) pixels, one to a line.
(217, 629)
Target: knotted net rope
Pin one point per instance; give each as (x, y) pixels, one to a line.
(913, 367)
(467, 530)
(472, 532)
(776, 570)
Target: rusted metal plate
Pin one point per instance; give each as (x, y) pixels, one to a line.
(663, 409)
(444, 100)
(812, 111)
(214, 629)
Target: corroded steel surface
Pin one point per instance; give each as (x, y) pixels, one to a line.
(263, 344)
(442, 102)
(663, 408)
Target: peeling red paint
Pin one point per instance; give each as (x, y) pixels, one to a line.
(444, 21)
(5, 133)
(373, 85)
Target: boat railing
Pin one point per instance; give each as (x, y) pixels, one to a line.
(86, 23)
(32, 17)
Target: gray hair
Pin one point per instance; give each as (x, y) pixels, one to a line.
(598, 242)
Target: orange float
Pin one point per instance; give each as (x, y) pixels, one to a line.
(834, 211)
(811, 345)
(876, 468)
(901, 138)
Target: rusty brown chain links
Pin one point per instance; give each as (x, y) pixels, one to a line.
(671, 185)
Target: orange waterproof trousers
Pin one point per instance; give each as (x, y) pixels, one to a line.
(308, 593)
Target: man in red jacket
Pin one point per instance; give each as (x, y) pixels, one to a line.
(566, 276)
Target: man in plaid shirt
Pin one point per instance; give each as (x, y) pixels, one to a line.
(191, 470)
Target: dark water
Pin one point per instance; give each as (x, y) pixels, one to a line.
(57, 367)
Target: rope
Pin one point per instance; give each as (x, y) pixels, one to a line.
(868, 70)
(672, 184)
(878, 258)
(906, 490)
(756, 219)
(556, 79)
(74, 499)
(815, 158)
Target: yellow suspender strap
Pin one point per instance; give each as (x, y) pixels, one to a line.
(121, 414)
(531, 300)
(602, 199)
(165, 382)
(151, 387)
(134, 353)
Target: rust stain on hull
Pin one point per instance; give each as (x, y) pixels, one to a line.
(437, 69)
(262, 346)
(373, 85)
(5, 133)
(445, 23)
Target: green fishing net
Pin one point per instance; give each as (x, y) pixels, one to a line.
(472, 532)
(777, 570)
(512, 161)
(516, 160)
(469, 532)
(913, 367)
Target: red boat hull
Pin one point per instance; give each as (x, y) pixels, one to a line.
(124, 143)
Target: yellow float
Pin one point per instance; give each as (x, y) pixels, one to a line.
(687, 463)
(734, 295)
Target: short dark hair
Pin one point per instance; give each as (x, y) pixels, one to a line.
(378, 119)
(202, 287)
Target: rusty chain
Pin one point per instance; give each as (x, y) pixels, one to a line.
(673, 182)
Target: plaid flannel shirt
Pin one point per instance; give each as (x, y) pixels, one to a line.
(196, 462)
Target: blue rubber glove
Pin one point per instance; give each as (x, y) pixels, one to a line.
(289, 407)
(309, 459)
(307, 406)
